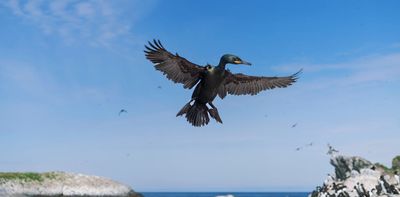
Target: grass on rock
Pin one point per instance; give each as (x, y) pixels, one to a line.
(27, 176)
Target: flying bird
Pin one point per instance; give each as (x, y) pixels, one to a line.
(122, 111)
(305, 146)
(331, 150)
(210, 81)
(294, 125)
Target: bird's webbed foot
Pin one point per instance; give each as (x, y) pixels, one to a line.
(214, 113)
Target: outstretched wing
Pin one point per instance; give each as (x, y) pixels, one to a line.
(174, 67)
(240, 84)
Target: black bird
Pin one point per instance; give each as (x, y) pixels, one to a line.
(122, 111)
(211, 81)
(294, 125)
(331, 150)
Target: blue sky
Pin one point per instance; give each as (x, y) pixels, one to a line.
(67, 67)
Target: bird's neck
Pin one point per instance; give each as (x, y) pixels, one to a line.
(221, 64)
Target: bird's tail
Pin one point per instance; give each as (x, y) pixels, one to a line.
(196, 114)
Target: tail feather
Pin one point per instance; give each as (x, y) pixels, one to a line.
(197, 114)
(184, 109)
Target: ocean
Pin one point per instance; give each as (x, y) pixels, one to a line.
(225, 194)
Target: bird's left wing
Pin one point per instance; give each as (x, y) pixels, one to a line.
(174, 67)
(240, 84)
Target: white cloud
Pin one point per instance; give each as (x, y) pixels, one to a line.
(14, 6)
(369, 68)
(20, 78)
(85, 9)
(96, 22)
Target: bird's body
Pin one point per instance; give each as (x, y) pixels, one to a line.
(209, 81)
(331, 150)
(207, 89)
(122, 111)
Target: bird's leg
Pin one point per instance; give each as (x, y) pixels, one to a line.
(214, 113)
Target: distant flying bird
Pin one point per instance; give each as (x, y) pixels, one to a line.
(294, 125)
(299, 148)
(210, 81)
(331, 150)
(159, 87)
(122, 111)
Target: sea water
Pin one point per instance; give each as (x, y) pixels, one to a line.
(224, 194)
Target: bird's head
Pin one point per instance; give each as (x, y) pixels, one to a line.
(233, 59)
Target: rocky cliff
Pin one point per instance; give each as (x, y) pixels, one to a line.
(61, 184)
(344, 165)
(358, 177)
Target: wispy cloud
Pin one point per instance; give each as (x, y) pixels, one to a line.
(369, 68)
(96, 22)
(20, 78)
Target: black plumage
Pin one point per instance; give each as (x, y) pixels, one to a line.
(122, 111)
(210, 81)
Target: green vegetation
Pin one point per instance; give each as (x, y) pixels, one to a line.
(383, 167)
(396, 163)
(27, 176)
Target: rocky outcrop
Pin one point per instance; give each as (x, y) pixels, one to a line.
(61, 184)
(358, 177)
(344, 165)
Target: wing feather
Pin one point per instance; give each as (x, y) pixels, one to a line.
(174, 67)
(240, 84)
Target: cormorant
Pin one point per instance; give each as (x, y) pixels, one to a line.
(122, 111)
(211, 81)
(331, 150)
(396, 177)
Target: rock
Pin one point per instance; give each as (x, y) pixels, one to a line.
(61, 184)
(356, 173)
(344, 165)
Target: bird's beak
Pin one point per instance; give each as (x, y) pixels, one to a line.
(246, 63)
(242, 62)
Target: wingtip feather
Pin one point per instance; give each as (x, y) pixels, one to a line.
(160, 44)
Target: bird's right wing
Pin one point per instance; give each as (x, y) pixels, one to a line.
(174, 67)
